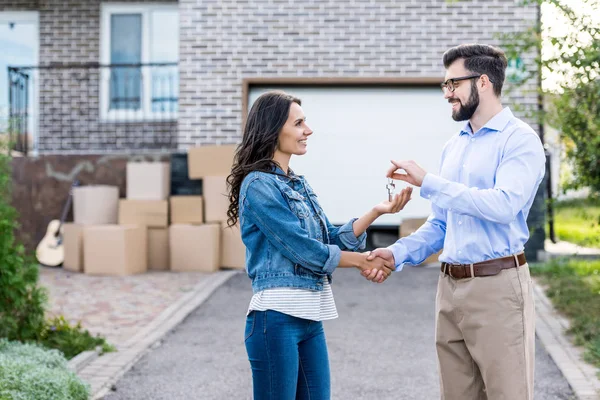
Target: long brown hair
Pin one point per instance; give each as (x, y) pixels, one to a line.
(261, 133)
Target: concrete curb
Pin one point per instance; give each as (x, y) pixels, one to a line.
(77, 363)
(550, 328)
(103, 372)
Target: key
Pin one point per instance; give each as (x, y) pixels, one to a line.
(390, 188)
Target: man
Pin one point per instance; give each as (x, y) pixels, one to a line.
(490, 173)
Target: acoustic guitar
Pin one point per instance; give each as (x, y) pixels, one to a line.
(50, 251)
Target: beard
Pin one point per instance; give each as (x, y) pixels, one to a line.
(467, 110)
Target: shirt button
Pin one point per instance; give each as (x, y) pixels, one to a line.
(464, 165)
(428, 196)
(459, 252)
(460, 222)
(472, 140)
(449, 209)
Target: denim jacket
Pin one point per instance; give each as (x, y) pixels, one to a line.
(289, 240)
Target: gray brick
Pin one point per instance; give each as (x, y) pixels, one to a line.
(224, 41)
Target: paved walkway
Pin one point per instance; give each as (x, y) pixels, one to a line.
(380, 348)
(566, 249)
(112, 306)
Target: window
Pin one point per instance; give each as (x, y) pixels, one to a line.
(139, 52)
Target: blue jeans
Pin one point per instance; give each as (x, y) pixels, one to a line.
(288, 357)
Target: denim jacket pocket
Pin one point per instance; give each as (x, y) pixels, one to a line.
(296, 202)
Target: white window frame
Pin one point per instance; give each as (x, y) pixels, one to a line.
(33, 106)
(145, 112)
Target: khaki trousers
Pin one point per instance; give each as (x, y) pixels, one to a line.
(485, 336)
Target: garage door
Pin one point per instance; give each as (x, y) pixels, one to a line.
(357, 130)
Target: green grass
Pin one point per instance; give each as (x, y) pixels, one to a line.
(578, 221)
(574, 288)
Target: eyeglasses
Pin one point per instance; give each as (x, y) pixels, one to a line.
(450, 84)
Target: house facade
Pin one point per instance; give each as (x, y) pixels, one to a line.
(156, 77)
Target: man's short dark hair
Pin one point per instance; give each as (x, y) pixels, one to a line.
(480, 59)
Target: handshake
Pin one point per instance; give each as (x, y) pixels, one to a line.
(377, 265)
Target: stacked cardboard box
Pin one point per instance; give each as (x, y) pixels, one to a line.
(147, 206)
(221, 245)
(410, 225)
(92, 206)
(155, 227)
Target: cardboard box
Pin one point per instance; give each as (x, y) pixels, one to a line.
(158, 249)
(148, 180)
(73, 247)
(216, 200)
(95, 205)
(194, 247)
(186, 209)
(233, 250)
(210, 161)
(410, 225)
(115, 249)
(150, 213)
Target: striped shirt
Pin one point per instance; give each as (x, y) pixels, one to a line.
(300, 303)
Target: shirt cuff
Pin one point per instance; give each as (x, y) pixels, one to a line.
(348, 239)
(400, 253)
(431, 185)
(333, 260)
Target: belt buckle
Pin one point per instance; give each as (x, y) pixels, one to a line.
(452, 265)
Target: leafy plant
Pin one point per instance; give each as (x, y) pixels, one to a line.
(572, 61)
(578, 221)
(22, 301)
(574, 288)
(28, 371)
(71, 339)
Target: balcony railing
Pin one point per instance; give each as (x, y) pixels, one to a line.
(69, 106)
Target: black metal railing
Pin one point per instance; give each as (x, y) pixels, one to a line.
(92, 106)
(18, 110)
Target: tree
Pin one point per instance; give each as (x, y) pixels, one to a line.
(569, 64)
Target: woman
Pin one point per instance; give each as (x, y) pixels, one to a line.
(292, 249)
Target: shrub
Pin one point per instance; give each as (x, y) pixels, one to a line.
(70, 339)
(22, 302)
(574, 287)
(28, 371)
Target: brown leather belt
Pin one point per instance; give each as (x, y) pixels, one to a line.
(484, 268)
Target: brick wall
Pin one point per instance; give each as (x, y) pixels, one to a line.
(19, 5)
(68, 110)
(224, 41)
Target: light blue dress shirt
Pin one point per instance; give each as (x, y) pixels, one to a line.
(482, 196)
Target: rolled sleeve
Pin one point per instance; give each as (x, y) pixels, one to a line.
(333, 260)
(348, 239)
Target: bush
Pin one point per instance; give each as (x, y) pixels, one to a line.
(22, 302)
(70, 339)
(578, 221)
(29, 372)
(574, 288)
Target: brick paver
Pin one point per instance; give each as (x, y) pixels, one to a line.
(112, 306)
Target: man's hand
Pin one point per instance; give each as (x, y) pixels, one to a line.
(379, 268)
(384, 254)
(414, 174)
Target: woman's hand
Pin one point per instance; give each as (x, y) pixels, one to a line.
(378, 268)
(398, 202)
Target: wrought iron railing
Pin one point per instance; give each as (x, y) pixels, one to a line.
(93, 107)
